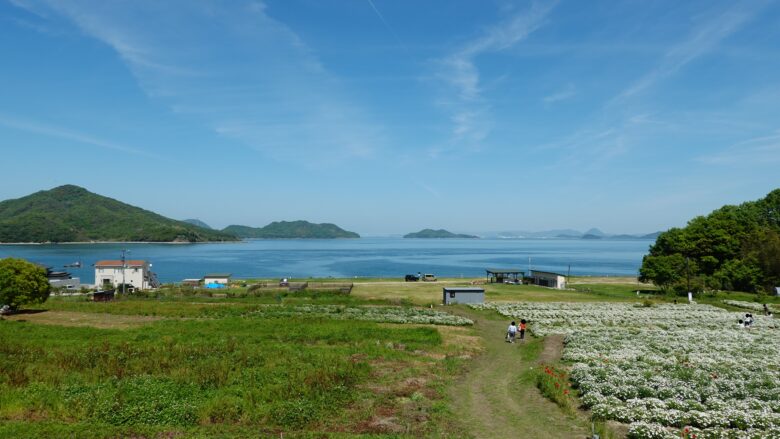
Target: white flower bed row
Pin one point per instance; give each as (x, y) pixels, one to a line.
(563, 318)
(381, 314)
(667, 367)
(753, 306)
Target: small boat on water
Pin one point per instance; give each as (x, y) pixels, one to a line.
(76, 264)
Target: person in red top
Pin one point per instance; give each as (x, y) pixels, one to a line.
(522, 329)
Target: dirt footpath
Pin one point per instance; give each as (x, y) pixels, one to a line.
(493, 402)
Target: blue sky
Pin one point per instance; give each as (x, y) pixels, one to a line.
(387, 116)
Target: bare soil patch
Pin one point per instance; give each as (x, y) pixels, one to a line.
(605, 280)
(93, 320)
(553, 349)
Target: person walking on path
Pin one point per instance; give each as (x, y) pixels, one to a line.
(522, 329)
(511, 332)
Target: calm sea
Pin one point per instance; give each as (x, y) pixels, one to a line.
(365, 257)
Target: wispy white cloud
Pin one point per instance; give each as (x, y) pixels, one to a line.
(460, 72)
(568, 92)
(71, 135)
(702, 40)
(615, 129)
(758, 151)
(249, 78)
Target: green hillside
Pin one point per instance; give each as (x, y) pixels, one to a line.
(291, 230)
(732, 248)
(199, 223)
(73, 214)
(441, 233)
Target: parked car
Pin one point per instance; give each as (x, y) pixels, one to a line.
(284, 282)
(411, 278)
(429, 277)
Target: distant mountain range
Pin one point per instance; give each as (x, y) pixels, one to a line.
(591, 234)
(73, 214)
(291, 229)
(441, 233)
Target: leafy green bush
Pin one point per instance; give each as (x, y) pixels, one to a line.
(22, 282)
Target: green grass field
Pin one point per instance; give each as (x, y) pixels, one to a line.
(182, 363)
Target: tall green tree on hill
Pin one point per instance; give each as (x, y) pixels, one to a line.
(22, 283)
(733, 248)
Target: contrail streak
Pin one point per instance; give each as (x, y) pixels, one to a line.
(387, 25)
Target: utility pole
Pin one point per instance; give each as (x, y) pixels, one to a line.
(124, 266)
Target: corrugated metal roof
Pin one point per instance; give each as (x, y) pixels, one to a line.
(546, 272)
(118, 263)
(504, 270)
(464, 290)
(219, 275)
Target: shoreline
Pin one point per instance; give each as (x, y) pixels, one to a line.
(121, 242)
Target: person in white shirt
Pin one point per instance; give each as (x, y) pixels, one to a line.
(511, 332)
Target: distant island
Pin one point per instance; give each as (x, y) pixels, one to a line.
(73, 214)
(291, 230)
(199, 223)
(592, 234)
(441, 233)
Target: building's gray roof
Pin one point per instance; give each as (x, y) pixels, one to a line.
(546, 272)
(504, 270)
(464, 290)
(220, 275)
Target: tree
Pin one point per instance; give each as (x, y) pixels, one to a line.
(664, 271)
(22, 282)
(734, 248)
(762, 250)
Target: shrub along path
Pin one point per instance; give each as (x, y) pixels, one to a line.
(498, 398)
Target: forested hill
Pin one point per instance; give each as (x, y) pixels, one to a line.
(199, 223)
(732, 248)
(73, 214)
(441, 233)
(291, 230)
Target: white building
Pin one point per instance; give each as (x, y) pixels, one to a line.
(135, 273)
(548, 279)
(217, 278)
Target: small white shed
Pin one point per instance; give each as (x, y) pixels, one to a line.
(453, 295)
(548, 279)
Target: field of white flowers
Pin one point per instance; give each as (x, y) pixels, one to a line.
(381, 314)
(752, 306)
(669, 371)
